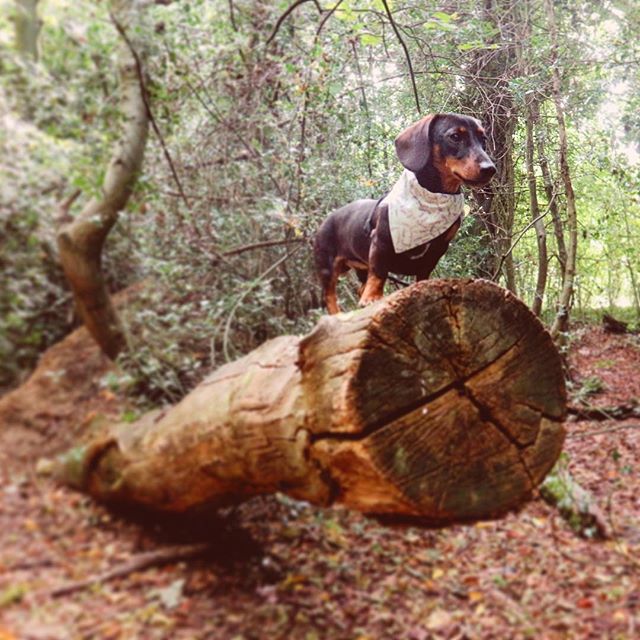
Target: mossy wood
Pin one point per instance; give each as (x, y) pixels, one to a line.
(443, 402)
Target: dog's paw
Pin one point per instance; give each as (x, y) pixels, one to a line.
(365, 301)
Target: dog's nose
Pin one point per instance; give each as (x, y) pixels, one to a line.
(487, 170)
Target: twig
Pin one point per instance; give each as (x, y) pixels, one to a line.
(619, 412)
(365, 105)
(232, 16)
(504, 256)
(261, 245)
(243, 295)
(145, 99)
(406, 53)
(597, 432)
(65, 205)
(213, 111)
(398, 281)
(137, 563)
(324, 20)
(286, 14)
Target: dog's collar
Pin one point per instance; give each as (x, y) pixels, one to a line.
(416, 215)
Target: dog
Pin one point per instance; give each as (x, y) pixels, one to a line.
(408, 230)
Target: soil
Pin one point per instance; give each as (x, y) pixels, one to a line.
(277, 568)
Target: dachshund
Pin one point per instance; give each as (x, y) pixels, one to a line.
(408, 230)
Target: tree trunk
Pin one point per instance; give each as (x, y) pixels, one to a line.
(81, 242)
(561, 321)
(552, 199)
(443, 402)
(523, 55)
(538, 222)
(27, 28)
(630, 267)
(488, 92)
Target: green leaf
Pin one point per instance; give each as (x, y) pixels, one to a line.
(445, 17)
(13, 593)
(370, 39)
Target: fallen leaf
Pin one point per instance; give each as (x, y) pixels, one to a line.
(585, 603)
(171, 596)
(438, 619)
(30, 525)
(13, 593)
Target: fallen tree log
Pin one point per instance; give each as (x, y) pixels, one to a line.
(443, 402)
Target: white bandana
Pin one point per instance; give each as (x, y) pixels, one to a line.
(417, 216)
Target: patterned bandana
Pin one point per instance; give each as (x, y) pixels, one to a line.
(417, 216)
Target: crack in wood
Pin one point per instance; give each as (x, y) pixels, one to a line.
(401, 412)
(489, 418)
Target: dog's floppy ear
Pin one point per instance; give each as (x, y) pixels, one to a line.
(413, 145)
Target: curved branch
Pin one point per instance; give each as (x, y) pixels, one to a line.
(406, 53)
(145, 97)
(507, 253)
(286, 14)
(243, 295)
(81, 241)
(326, 18)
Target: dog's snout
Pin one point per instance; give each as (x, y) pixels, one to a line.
(487, 170)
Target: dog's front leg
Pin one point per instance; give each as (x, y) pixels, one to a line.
(378, 271)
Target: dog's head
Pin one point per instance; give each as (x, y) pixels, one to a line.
(451, 144)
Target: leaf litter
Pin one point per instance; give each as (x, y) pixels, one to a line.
(279, 568)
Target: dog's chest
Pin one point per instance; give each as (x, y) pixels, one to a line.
(417, 216)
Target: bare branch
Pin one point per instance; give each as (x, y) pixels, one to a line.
(261, 245)
(145, 97)
(286, 14)
(63, 208)
(326, 18)
(504, 256)
(406, 53)
(137, 563)
(243, 295)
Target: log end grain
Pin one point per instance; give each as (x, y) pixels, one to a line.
(459, 400)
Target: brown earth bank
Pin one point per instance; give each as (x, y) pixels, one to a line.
(276, 568)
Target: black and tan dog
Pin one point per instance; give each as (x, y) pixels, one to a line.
(410, 229)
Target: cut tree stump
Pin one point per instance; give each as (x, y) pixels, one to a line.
(444, 402)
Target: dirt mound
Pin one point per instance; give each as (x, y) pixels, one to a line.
(62, 395)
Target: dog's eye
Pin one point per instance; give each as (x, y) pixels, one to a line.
(455, 137)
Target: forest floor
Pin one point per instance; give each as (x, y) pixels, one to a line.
(277, 568)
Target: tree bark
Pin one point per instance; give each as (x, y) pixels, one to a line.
(443, 403)
(488, 92)
(550, 191)
(561, 321)
(81, 242)
(630, 267)
(538, 224)
(523, 55)
(27, 28)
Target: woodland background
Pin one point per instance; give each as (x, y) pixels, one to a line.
(265, 116)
